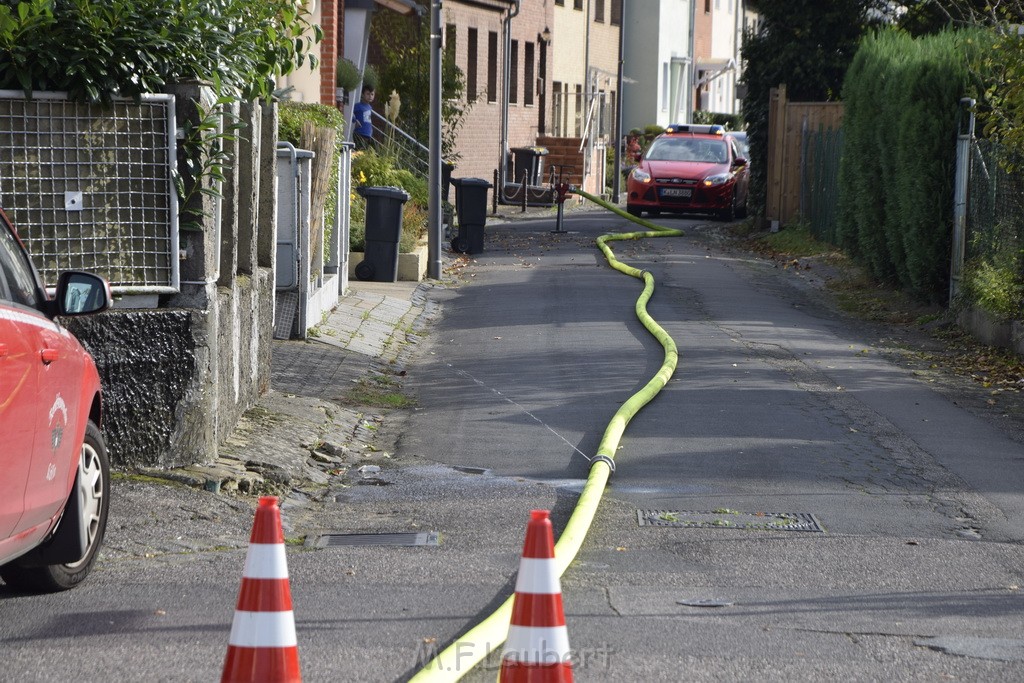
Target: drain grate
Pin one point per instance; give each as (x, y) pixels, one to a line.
(287, 307)
(725, 518)
(399, 539)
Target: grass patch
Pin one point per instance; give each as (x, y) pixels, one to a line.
(379, 391)
(795, 241)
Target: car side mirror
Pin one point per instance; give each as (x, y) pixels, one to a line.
(80, 293)
(739, 161)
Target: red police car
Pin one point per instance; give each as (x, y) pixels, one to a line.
(690, 169)
(54, 472)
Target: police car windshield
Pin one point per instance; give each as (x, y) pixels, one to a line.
(688, 149)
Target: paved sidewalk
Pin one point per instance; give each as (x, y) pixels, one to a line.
(301, 432)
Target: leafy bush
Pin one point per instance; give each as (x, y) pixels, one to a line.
(997, 290)
(347, 76)
(730, 121)
(97, 50)
(372, 169)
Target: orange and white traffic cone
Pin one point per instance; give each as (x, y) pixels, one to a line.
(537, 648)
(263, 646)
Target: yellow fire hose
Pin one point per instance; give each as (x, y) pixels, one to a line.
(457, 659)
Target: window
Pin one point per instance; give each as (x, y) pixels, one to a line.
(471, 59)
(513, 72)
(577, 4)
(560, 3)
(557, 108)
(707, 6)
(616, 14)
(492, 66)
(16, 272)
(579, 110)
(528, 84)
(599, 11)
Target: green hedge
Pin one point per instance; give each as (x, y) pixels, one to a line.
(901, 100)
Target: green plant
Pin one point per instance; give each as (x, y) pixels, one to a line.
(291, 116)
(730, 121)
(203, 158)
(796, 241)
(96, 50)
(896, 174)
(404, 66)
(370, 77)
(372, 168)
(997, 290)
(807, 46)
(347, 76)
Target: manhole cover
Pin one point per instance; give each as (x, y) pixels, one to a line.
(725, 518)
(397, 539)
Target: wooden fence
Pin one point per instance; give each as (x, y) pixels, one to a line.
(787, 124)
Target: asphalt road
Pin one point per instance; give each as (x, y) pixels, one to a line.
(780, 410)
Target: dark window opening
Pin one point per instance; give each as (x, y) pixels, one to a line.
(492, 66)
(616, 14)
(513, 72)
(471, 59)
(599, 11)
(528, 84)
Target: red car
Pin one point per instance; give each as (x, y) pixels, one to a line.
(690, 168)
(54, 472)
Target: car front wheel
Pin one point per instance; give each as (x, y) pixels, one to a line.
(92, 494)
(729, 212)
(634, 210)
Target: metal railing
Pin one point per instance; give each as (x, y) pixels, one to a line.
(408, 152)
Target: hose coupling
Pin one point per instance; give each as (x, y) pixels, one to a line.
(600, 457)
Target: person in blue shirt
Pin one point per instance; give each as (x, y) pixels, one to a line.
(362, 122)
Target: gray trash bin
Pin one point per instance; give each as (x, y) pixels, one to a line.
(528, 161)
(471, 207)
(384, 208)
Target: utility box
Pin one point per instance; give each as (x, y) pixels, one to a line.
(384, 209)
(471, 207)
(528, 162)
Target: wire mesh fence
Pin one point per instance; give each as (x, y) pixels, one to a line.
(995, 224)
(90, 186)
(995, 205)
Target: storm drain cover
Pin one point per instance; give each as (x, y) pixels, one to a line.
(399, 539)
(724, 518)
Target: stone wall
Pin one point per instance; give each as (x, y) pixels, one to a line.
(177, 378)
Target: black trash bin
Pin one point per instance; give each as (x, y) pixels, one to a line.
(528, 161)
(471, 207)
(384, 208)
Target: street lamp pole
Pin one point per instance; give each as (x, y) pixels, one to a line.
(434, 225)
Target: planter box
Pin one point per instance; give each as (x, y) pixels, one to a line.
(412, 266)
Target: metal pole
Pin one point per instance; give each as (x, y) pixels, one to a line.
(963, 168)
(617, 179)
(434, 225)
